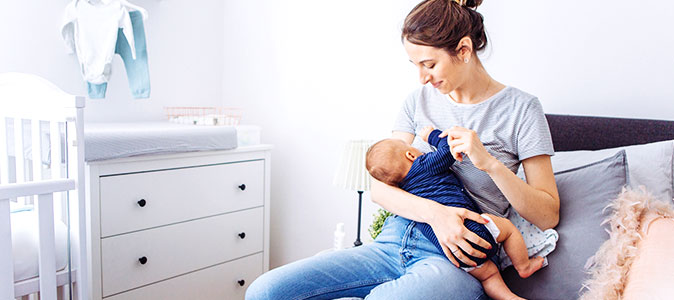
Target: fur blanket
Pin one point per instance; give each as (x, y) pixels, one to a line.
(609, 268)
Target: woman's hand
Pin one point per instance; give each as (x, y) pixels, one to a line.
(462, 140)
(447, 224)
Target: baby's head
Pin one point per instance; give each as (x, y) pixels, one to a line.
(390, 160)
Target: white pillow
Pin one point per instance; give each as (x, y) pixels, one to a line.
(650, 165)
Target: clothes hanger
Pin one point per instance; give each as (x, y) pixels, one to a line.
(142, 11)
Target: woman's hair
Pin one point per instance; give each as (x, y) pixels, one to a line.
(443, 23)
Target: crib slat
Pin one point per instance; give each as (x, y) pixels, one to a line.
(4, 157)
(6, 259)
(46, 252)
(55, 144)
(36, 149)
(19, 159)
(18, 150)
(55, 158)
(75, 139)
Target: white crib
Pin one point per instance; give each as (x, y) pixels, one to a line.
(41, 163)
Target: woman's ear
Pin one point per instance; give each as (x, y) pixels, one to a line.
(409, 155)
(464, 49)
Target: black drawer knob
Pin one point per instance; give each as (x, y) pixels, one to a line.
(242, 235)
(142, 202)
(242, 187)
(143, 260)
(241, 282)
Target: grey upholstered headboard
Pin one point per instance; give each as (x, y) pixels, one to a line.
(593, 133)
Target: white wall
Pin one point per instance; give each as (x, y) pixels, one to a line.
(185, 46)
(316, 73)
(607, 58)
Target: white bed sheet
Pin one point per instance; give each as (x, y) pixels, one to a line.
(25, 243)
(116, 140)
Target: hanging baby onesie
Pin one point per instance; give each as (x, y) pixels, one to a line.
(95, 31)
(137, 69)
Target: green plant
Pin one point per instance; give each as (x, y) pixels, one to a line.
(378, 222)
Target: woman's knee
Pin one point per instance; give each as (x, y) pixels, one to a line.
(259, 288)
(269, 285)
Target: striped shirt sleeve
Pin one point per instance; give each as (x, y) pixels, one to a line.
(533, 137)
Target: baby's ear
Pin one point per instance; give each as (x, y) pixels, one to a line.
(409, 155)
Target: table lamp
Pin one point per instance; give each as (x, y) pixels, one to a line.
(352, 175)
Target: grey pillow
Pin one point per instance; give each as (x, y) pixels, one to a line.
(584, 192)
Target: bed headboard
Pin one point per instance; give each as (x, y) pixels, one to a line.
(571, 132)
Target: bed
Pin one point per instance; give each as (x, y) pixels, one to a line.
(42, 210)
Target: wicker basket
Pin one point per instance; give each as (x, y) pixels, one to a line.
(213, 116)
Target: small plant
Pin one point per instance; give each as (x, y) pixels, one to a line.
(378, 222)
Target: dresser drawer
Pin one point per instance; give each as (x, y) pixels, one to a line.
(215, 283)
(177, 249)
(138, 201)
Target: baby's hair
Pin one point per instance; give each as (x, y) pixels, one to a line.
(383, 160)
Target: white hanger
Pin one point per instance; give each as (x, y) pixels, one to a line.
(142, 11)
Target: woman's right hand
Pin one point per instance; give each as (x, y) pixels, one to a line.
(447, 224)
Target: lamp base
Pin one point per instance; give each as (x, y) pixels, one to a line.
(360, 204)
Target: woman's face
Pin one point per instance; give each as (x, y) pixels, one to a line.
(436, 66)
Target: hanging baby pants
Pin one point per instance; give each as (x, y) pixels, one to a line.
(137, 70)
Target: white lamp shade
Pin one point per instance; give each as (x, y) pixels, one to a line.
(351, 173)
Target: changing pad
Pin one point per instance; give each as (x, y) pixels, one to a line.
(116, 140)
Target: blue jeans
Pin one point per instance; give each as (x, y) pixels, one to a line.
(401, 264)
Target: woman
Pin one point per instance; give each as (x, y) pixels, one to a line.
(493, 128)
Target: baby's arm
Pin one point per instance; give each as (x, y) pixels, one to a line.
(441, 160)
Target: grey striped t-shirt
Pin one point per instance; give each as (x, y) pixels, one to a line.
(511, 125)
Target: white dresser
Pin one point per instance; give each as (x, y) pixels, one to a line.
(179, 226)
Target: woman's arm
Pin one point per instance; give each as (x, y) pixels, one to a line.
(447, 222)
(536, 200)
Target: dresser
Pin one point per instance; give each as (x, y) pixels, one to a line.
(179, 226)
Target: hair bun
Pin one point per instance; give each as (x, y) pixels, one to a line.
(469, 3)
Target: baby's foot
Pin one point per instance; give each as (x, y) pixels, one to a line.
(535, 264)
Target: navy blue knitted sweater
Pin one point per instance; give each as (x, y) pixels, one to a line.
(431, 177)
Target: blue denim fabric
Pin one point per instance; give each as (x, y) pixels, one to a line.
(137, 70)
(401, 264)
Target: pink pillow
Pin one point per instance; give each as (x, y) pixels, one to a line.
(636, 261)
(651, 276)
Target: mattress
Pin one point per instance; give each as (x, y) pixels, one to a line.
(25, 242)
(117, 140)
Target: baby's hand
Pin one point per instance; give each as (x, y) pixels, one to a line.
(425, 132)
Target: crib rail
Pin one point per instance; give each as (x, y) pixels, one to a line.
(45, 210)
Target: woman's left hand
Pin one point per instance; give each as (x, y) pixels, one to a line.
(466, 141)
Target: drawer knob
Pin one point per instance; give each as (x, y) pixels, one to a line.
(242, 187)
(142, 202)
(242, 235)
(241, 282)
(143, 260)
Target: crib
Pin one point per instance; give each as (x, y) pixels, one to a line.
(42, 172)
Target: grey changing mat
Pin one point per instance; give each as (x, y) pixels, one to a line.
(116, 140)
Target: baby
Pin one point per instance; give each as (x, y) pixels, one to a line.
(396, 163)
